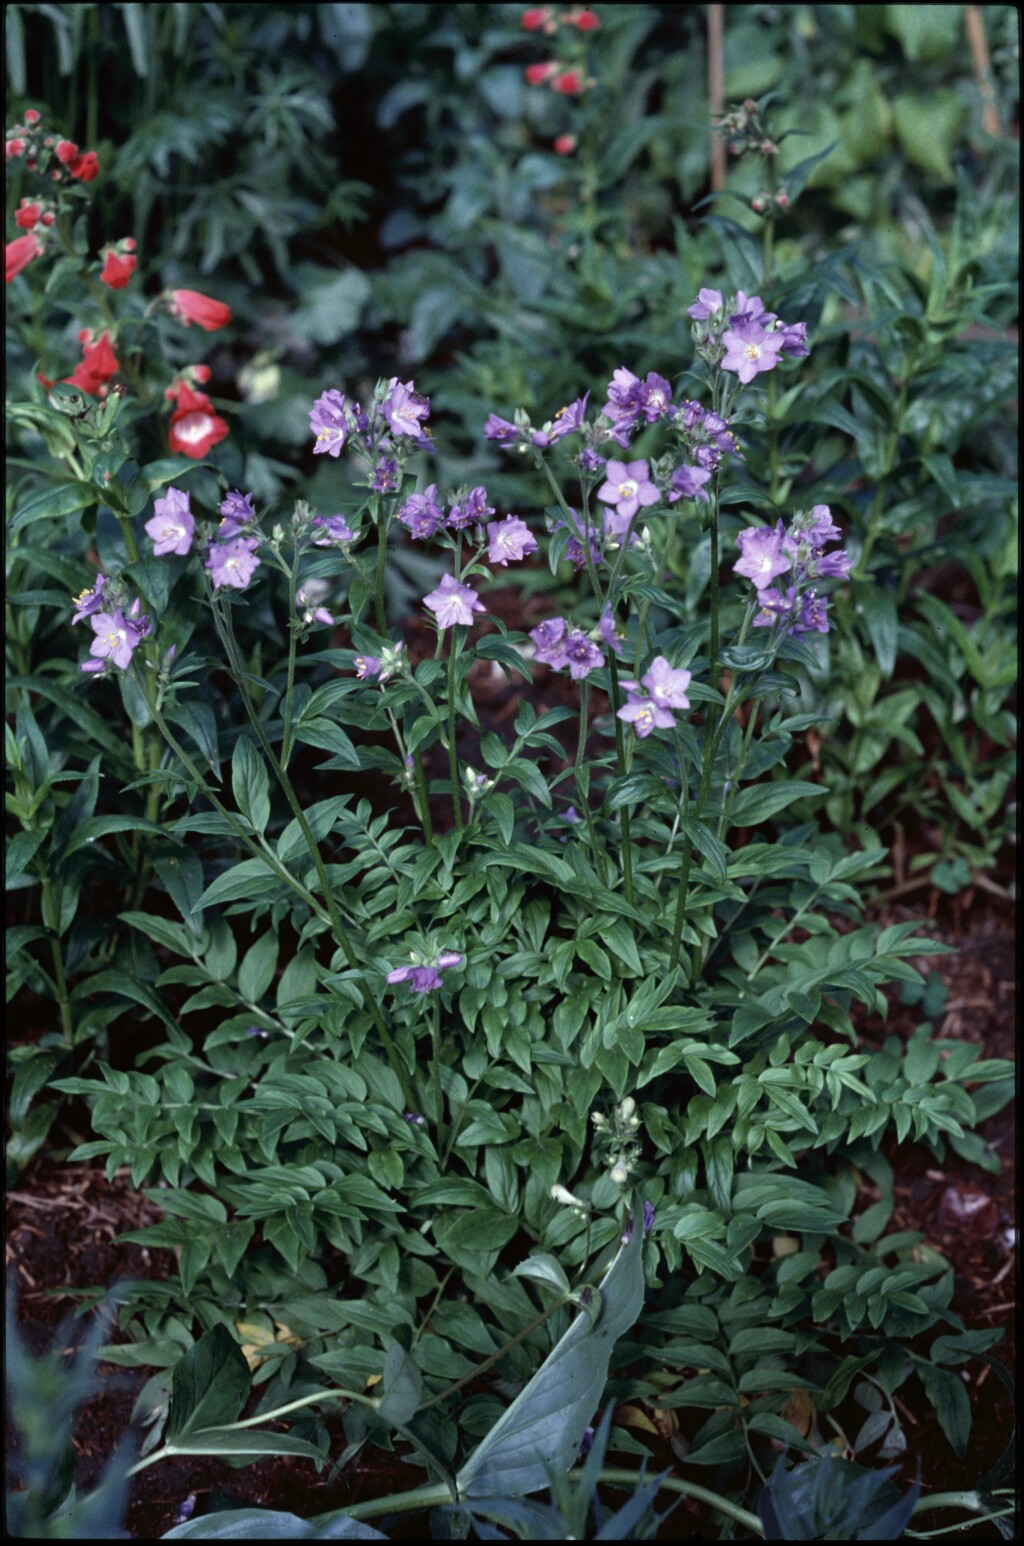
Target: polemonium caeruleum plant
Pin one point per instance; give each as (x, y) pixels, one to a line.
(451, 1048)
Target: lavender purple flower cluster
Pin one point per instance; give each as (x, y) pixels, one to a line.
(769, 552)
(118, 629)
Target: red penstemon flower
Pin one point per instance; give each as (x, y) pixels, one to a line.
(19, 254)
(195, 428)
(537, 74)
(534, 19)
(586, 20)
(119, 262)
(85, 166)
(190, 306)
(28, 214)
(565, 144)
(569, 83)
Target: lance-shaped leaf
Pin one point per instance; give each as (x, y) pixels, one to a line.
(541, 1432)
(210, 1385)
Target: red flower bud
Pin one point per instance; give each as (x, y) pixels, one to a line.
(65, 151)
(47, 219)
(532, 20)
(569, 83)
(587, 21)
(19, 254)
(537, 74)
(28, 214)
(189, 306)
(128, 244)
(782, 199)
(32, 115)
(759, 204)
(566, 144)
(85, 167)
(13, 148)
(48, 141)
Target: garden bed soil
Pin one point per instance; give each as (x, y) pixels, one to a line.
(63, 1223)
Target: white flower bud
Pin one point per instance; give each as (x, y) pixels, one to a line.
(561, 1194)
(620, 1175)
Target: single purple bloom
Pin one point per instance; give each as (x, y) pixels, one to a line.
(142, 625)
(666, 685)
(473, 507)
(648, 1216)
(609, 635)
(540, 439)
(590, 461)
(832, 566)
(582, 656)
(687, 483)
(749, 308)
(367, 666)
(655, 397)
(453, 603)
(572, 815)
(336, 531)
(329, 422)
(500, 429)
(774, 607)
(708, 302)
(749, 349)
(623, 407)
(794, 339)
(568, 420)
(414, 1119)
(385, 476)
(574, 550)
(237, 510)
(116, 638)
(311, 613)
(549, 638)
(421, 513)
(643, 713)
(173, 526)
(709, 457)
(424, 978)
(628, 487)
(93, 665)
(822, 528)
(764, 557)
(813, 616)
(233, 563)
(89, 601)
(404, 409)
(510, 539)
(692, 413)
(586, 1444)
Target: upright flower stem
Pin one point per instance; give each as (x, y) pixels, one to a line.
(289, 692)
(435, 1037)
(340, 932)
(627, 847)
(52, 922)
(453, 760)
(715, 674)
(711, 744)
(583, 793)
(382, 558)
(421, 790)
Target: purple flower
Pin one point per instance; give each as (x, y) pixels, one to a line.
(310, 612)
(367, 666)
(568, 420)
(549, 638)
(609, 635)
(832, 566)
(586, 1444)
(708, 302)
(813, 616)
(648, 1220)
(582, 655)
(654, 397)
(572, 815)
(404, 410)
(749, 349)
(89, 601)
(328, 421)
(764, 558)
(233, 563)
(423, 978)
(385, 476)
(413, 1118)
(421, 513)
(590, 461)
(336, 531)
(628, 487)
(692, 413)
(471, 507)
(623, 406)
(749, 308)
(574, 550)
(540, 438)
(173, 526)
(500, 429)
(794, 339)
(822, 528)
(142, 625)
(644, 715)
(237, 511)
(510, 539)
(116, 637)
(453, 603)
(774, 606)
(687, 483)
(666, 685)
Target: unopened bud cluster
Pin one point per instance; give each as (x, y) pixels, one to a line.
(619, 1132)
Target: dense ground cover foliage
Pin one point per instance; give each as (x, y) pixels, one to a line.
(471, 1058)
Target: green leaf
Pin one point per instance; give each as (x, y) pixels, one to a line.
(543, 1428)
(250, 782)
(543, 1268)
(246, 1441)
(250, 879)
(764, 800)
(402, 1384)
(264, 1524)
(256, 972)
(52, 502)
(948, 1395)
(210, 1386)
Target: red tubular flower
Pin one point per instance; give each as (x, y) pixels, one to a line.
(566, 144)
(28, 214)
(537, 74)
(118, 267)
(99, 364)
(65, 151)
(569, 83)
(19, 254)
(32, 115)
(586, 21)
(189, 306)
(532, 20)
(85, 167)
(13, 148)
(195, 428)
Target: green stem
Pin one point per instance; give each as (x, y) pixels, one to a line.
(129, 538)
(620, 753)
(453, 761)
(482, 1368)
(583, 537)
(711, 744)
(382, 558)
(421, 790)
(52, 922)
(293, 634)
(871, 536)
(714, 583)
(583, 794)
(340, 931)
(435, 1039)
